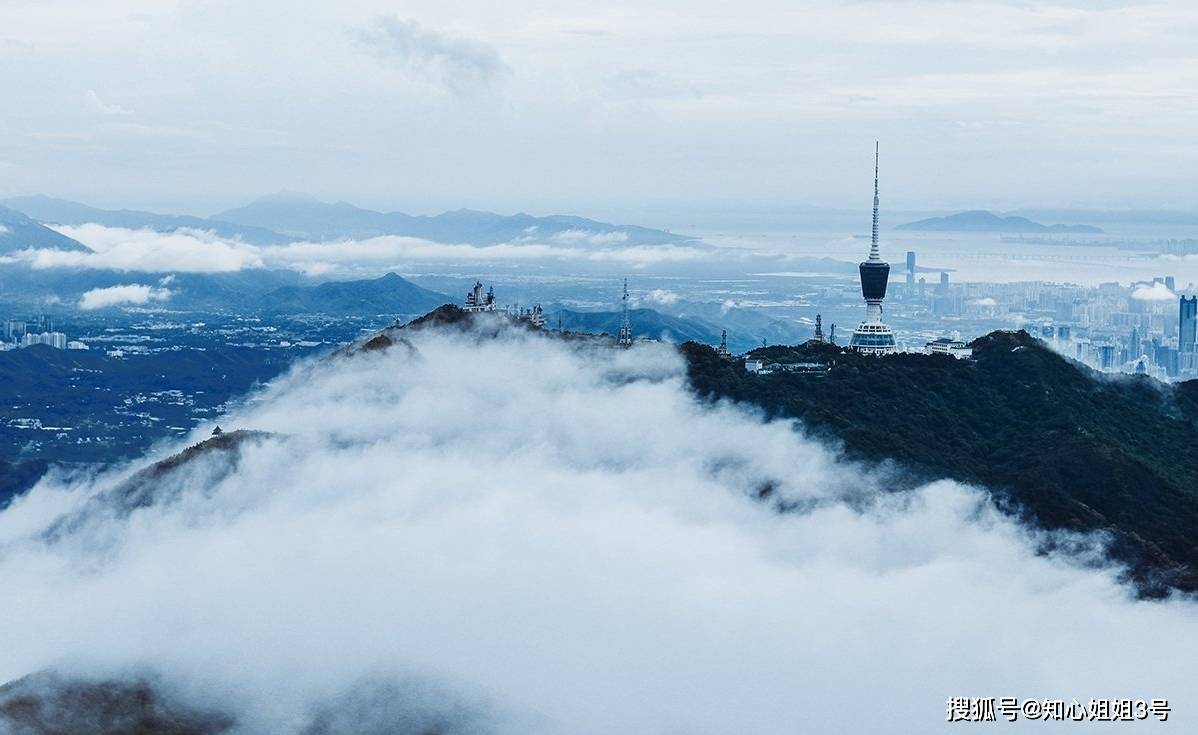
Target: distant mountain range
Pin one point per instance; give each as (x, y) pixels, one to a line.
(254, 291)
(286, 217)
(64, 212)
(979, 220)
(302, 216)
(18, 232)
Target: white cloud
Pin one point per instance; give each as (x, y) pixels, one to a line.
(99, 106)
(588, 237)
(662, 296)
(202, 251)
(459, 63)
(1155, 292)
(146, 250)
(102, 298)
(580, 548)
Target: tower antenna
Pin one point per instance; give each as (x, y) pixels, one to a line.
(625, 337)
(874, 254)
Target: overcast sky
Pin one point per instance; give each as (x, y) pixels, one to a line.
(600, 108)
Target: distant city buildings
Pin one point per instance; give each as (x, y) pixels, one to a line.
(872, 337)
(57, 340)
(19, 334)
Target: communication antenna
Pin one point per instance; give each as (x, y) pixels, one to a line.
(625, 337)
(874, 254)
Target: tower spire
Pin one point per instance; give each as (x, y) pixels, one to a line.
(872, 336)
(873, 243)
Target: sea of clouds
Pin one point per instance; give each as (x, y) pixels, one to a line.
(202, 251)
(519, 535)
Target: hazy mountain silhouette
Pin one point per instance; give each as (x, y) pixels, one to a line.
(305, 217)
(18, 232)
(979, 220)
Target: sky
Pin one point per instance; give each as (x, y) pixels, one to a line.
(548, 557)
(642, 110)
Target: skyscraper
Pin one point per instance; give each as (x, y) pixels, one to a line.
(910, 272)
(1187, 324)
(871, 336)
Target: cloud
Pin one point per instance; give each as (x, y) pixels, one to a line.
(118, 248)
(102, 298)
(1155, 292)
(202, 251)
(459, 63)
(98, 105)
(662, 296)
(579, 236)
(569, 536)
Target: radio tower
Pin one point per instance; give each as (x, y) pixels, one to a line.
(871, 336)
(819, 329)
(625, 337)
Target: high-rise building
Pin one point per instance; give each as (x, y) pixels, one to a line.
(871, 336)
(14, 330)
(943, 287)
(1187, 324)
(57, 340)
(910, 272)
(1170, 283)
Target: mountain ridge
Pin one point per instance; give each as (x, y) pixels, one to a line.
(981, 220)
(18, 231)
(1055, 442)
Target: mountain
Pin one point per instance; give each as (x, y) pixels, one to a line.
(389, 294)
(216, 291)
(980, 220)
(64, 212)
(645, 323)
(18, 231)
(1057, 443)
(305, 217)
(281, 218)
(48, 703)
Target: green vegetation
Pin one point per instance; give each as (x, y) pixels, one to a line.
(1058, 443)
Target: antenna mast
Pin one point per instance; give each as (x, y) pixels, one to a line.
(873, 244)
(625, 336)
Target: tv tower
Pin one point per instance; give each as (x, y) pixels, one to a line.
(871, 336)
(625, 337)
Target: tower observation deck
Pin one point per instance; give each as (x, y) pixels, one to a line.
(871, 336)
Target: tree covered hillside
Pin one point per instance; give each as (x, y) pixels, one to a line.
(1071, 448)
